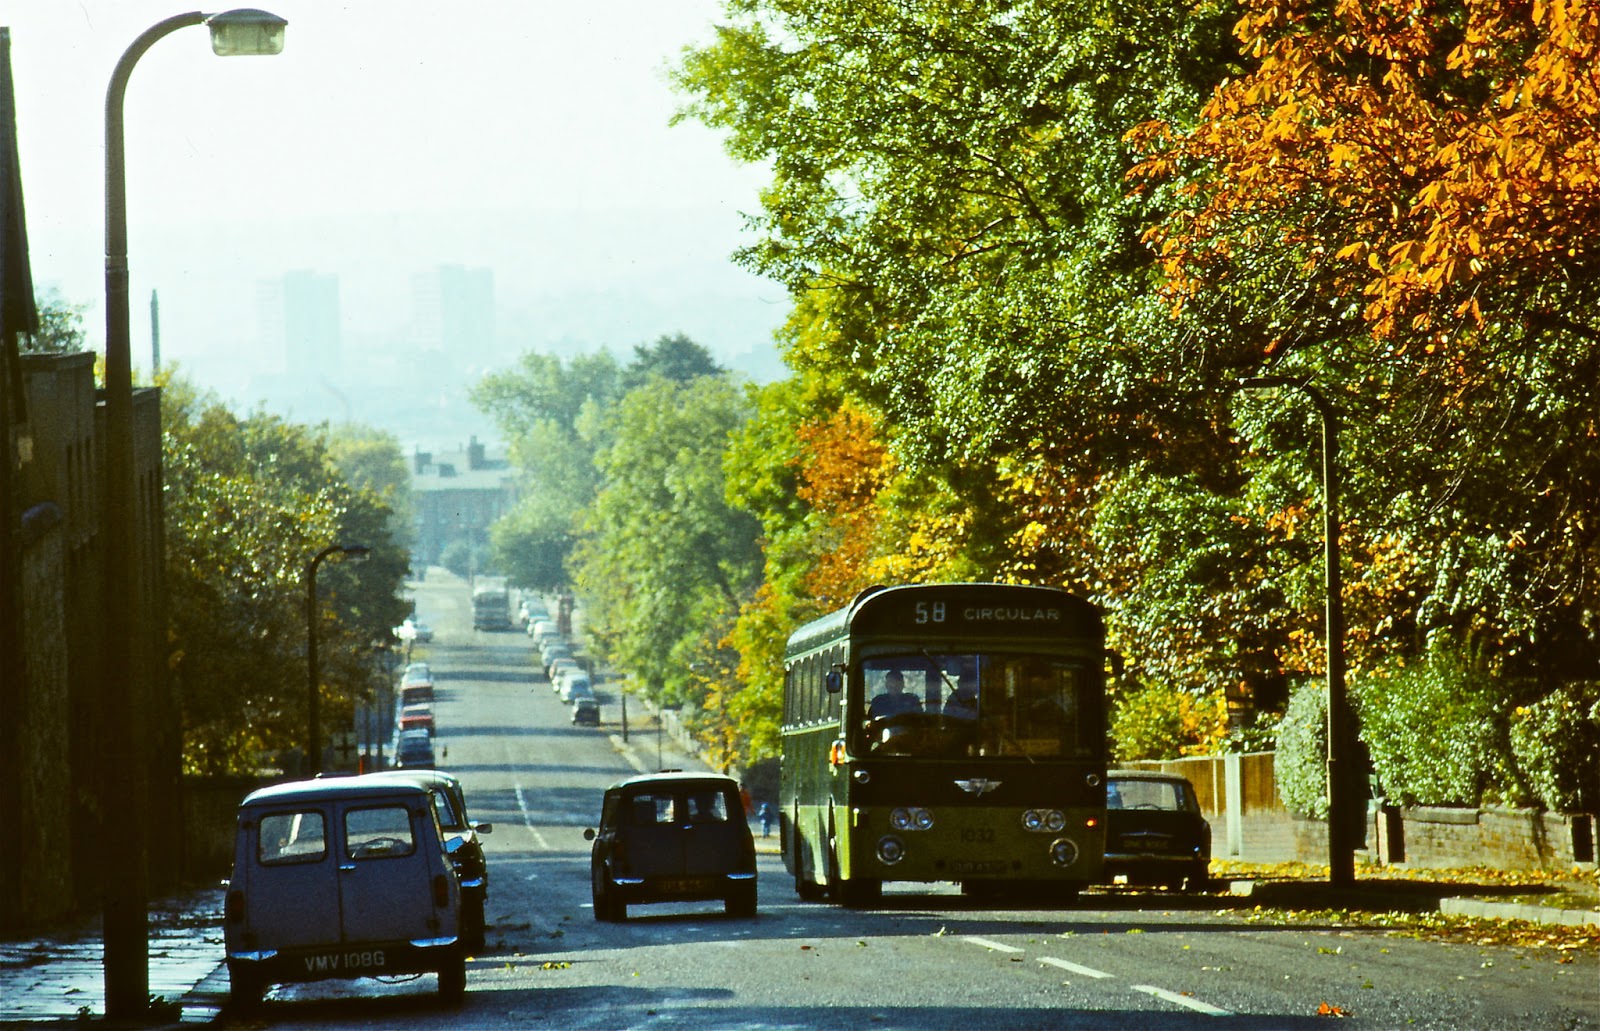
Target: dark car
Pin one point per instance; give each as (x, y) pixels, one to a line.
(1155, 834)
(413, 750)
(672, 837)
(586, 712)
(461, 843)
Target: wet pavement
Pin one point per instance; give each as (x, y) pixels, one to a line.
(59, 976)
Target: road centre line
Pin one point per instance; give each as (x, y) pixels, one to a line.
(527, 819)
(1160, 993)
(1074, 967)
(1182, 1000)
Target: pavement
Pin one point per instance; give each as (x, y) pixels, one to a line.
(57, 977)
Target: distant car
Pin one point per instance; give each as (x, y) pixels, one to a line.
(574, 684)
(560, 665)
(416, 673)
(672, 837)
(417, 717)
(413, 750)
(340, 878)
(586, 712)
(416, 694)
(461, 843)
(1155, 834)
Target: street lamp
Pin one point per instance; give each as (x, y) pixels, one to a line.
(1341, 799)
(126, 962)
(313, 695)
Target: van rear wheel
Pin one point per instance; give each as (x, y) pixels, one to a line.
(453, 978)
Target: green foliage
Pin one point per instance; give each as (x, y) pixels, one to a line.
(248, 502)
(463, 557)
(662, 561)
(1300, 764)
(60, 327)
(1431, 727)
(1157, 721)
(1556, 744)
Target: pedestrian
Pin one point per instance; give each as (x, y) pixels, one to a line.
(765, 813)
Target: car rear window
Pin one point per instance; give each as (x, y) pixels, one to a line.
(297, 837)
(1149, 794)
(381, 832)
(707, 806)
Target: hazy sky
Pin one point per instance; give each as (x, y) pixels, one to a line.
(389, 137)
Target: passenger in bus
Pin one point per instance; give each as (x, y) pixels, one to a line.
(894, 699)
(963, 701)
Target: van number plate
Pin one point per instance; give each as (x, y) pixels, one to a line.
(330, 962)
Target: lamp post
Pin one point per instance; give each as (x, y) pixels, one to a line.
(1341, 739)
(126, 962)
(313, 694)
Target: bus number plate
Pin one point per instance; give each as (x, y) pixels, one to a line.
(975, 867)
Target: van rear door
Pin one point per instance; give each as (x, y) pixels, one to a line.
(384, 857)
(293, 893)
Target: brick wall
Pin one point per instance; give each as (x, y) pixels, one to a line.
(1438, 838)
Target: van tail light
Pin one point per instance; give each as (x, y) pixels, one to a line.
(441, 891)
(233, 910)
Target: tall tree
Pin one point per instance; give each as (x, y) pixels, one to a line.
(663, 560)
(248, 502)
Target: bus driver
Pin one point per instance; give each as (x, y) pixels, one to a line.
(894, 700)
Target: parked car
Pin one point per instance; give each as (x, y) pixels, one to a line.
(672, 837)
(586, 712)
(574, 683)
(413, 750)
(341, 878)
(1155, 834)
(416, 673)
(416, 694)
(462, 843)
(559, 665)
(417, 717)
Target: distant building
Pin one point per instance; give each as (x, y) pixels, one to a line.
(300, 319)
(455, 311)
(458, 495)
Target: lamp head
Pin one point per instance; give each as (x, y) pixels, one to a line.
(246, 32)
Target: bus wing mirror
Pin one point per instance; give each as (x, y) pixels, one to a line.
(834, 681)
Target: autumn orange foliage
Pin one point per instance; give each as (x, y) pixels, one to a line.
(1438, 158)
(843, 467)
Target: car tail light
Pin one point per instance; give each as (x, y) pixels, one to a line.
(441, 891)
(234, 909)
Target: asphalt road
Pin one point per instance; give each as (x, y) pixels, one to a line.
(923, 959)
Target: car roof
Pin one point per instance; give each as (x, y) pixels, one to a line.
(427, 778)
(331, 788)
(1160, 775)
(674, 778)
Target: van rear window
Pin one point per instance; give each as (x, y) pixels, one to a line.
(299, 837)
(378, 833)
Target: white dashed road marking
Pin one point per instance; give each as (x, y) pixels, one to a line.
(1181, 1000)
(1074, 967)
(527, 818)
(1161, 993)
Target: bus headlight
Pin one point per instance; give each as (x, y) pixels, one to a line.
(1063, 852)
(1049, 820)
(890, 850)
(911, 818)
